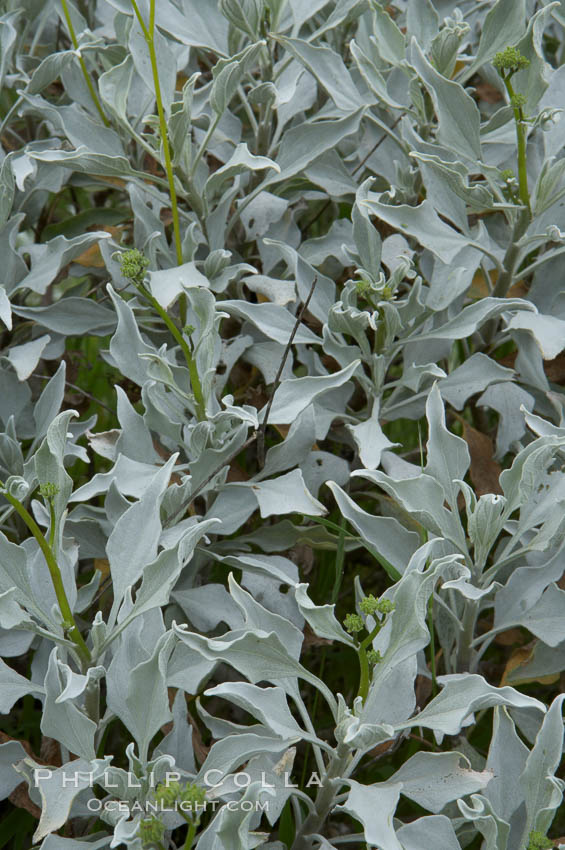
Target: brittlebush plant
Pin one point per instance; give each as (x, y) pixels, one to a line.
(282, 425)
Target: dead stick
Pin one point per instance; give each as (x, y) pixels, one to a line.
(276, 384)
(188, 502)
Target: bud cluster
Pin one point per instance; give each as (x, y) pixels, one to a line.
(510, 59)
(134, 265)
(48, 491)
(175, 792)
(355, 623)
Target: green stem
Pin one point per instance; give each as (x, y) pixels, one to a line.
(432, 631)
(190, 836)
(190, 361)
(519, 118)
(329, 524)
(52, 525)
(365, 677)
(86, 75)
(339, 561)
(149, 35)
(56, 578)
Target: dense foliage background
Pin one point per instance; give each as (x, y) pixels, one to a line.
(282, 319)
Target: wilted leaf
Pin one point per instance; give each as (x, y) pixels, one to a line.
(484, 470)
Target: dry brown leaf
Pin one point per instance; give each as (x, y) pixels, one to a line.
(92, 256)
(303, 556)
(114, 181)
(484, 471)
(423, 689)
(50, 751)
(509, 637)
(518, 290)
(488, 93)
(21, 799)
(519, 658)
(199, 747)
(479, 289)
(236, 473)
(5, 739)
(509, 360)
(20, 795)
(311, 639)
(382, 749)
(555, 369)
(103, 566)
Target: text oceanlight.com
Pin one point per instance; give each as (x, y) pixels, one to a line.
(154, 807)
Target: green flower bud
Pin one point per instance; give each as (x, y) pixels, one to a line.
(362, 287)
(510, 59)
(353, 623)
(385, 606)
(167, 795)
(48, 491)
(374, 656)
(194, 794)
(133, 265)
(369, 604)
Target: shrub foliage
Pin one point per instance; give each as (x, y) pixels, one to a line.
(282, 424)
